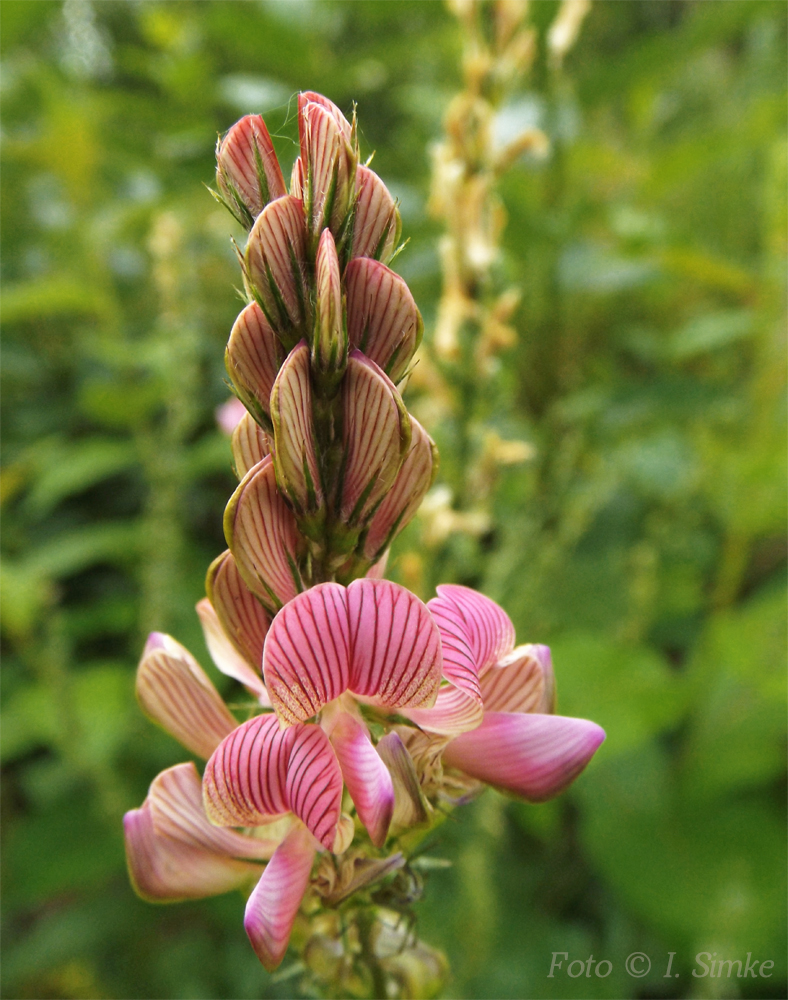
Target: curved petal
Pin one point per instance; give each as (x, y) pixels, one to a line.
(295, 457)
(177, 811)
(275, 267)
(534, 756)
(408, 490)
(261, 771)
(459, 656)
(274, 902)
(394, 644)
(488, 629)
(297, 179)
(224, 654)
(249, 444)
(248, 173)
(163, 870)
(376, 224)
(410, 806)
(455, 711)
(329, 158)
(330, 344)
(522, 681)
(376, 432)
(253, 357)
(367, 778)
(262, 535)
(174, 691)
(305, 660)
(241, 615)
(382, 318)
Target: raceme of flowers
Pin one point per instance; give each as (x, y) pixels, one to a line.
(370, 711)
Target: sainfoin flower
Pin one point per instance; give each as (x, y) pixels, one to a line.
(367, 708)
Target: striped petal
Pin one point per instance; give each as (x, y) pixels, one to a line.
(295, 458)
(261, 771)
(250, 444)
(376, 435)
(367, 778)
(248, 173)
(241, 615)
(404, 498)
(377, 226)
(455, 711)
(274, 902)
(307, 97)
(329, 158)
(223, 652)
(275, 267)
(305, 660)
(330, 345)
(534, 756)
(163, 870)
(395, 646)
(382, 317)
(174, 691)
(297, 179)
(521, 682)
(487, 627)
(262, 535)
(410, 806)
(176, 806)
(252, 359)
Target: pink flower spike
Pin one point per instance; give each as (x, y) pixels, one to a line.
(275, 267)
(295, 458)
(253, 357)
(261, 771)
(240, 613)
(224, 654)
(367, 778)
(261, 532)
(382, 317)
(487, 627)
(249, 444)
(274, 902)
(248, 173)
(228, 415)
(533, 756)
(306, 658)
(174, 691)
(395, 646)
(175, 800)
(163, 870)
(522, 681)
(376, 225)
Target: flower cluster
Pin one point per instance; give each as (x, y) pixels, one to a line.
(371, 709)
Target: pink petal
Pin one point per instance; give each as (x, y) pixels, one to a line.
(176, 806)
(228, 415)
(261, 771)
(455, 711)
(163, 870)
(404, 498)
(297, 179)
(382, 317)
(410, 806)
(250, 444)
(295, 458)
(305, 660)
(174, 691)
(488, 629)
(262, 534)
(241, 615)
(520, 682)
(223, 653)
(248, 172)
(275, 266)
(367, 778)
(459, 659)
(253, 357)
(377, 226)
(376, 434)
(307, 97)
(330, 163)
(395, 646)
(274, 902)
(378, 570)
(330, 345)
(534, 756)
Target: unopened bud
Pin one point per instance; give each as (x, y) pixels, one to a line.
(330, 345)
(377, 226)
(329, 158)
(248, 174)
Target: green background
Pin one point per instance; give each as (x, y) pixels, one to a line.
(645, 542)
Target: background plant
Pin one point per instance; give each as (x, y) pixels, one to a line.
(644, 541)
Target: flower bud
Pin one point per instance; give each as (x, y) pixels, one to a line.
(275, 269)
(248, 174)
(330, 344)
(252, 359)
(377, 226)
(329, 159)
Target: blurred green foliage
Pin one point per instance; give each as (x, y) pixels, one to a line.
(645, 542)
